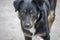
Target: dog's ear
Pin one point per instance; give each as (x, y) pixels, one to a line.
(39, 2)
(16, 4)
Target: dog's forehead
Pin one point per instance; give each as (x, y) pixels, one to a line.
(27, 1)
(28, 6)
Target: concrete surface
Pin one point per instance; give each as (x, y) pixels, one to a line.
(9, 23)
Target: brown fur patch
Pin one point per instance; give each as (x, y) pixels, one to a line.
(51, 18)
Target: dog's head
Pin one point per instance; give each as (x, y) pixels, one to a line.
(28, 12)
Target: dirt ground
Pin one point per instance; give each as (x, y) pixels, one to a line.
(9, 23)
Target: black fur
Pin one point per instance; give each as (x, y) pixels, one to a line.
(41, 26)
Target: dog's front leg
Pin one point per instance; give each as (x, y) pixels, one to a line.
(28, 38)
(47, 37)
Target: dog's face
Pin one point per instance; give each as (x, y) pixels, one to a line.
(28, 14)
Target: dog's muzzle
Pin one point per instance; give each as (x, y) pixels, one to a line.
(27, 25)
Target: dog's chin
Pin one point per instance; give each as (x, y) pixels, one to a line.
(27, 28)
(31, 29)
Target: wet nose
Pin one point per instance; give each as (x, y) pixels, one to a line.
(27, 25)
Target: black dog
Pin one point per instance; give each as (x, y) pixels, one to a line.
(36, 17)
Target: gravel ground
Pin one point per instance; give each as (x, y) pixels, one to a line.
(9, 23)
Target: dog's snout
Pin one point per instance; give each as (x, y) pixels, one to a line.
(27, 25)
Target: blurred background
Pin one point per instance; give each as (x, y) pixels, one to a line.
(10, 25)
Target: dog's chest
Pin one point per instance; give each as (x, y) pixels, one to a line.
(32, 30)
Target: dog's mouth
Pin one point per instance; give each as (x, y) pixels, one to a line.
(28, 28)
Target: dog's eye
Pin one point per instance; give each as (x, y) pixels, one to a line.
(31, 12)
(23, 12)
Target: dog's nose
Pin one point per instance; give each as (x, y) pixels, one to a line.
(27, 25)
